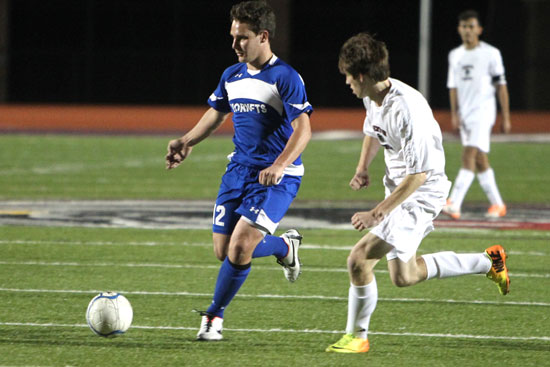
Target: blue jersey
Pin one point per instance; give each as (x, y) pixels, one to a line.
(264, 103)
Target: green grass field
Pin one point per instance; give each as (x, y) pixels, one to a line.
(98, 167)
(48, 275)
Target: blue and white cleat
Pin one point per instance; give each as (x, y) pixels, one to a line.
(211, 327)
(291, 262)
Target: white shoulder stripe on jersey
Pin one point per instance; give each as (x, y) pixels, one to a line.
(214, 97)
(257, 90)
(300, 106)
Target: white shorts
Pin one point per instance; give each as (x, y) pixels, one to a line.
(475, 130)
(407, 225)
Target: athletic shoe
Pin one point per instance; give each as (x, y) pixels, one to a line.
(498, 272)
(496, 211)
(349, 344)
(291, 263)
(211, 327)
(451, 210)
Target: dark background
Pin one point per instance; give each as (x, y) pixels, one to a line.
(172, 52)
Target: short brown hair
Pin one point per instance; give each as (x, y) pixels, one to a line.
(257, 14)
(362, 54)
(469, 14)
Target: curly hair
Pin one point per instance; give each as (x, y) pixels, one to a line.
(362, 54)
(257, 14)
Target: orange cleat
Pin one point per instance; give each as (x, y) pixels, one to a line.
(498, 272)
(496, 211)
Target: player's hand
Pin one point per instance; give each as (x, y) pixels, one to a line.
(177, 152)
(364, 220)
(506, 126)
(271, 175)
(361, 179)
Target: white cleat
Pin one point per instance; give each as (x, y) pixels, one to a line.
(211, 328)
(291, 262)
(451, 210)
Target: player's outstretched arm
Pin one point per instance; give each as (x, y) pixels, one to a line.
(179, 149)
(294, 147)
(368, 152)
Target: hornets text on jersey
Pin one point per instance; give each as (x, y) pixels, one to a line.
(264, 103)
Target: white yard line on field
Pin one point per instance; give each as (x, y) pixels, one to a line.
(303, 331)
(204, 266)
(103, 243)
(307, 246)
(74, 167)
(278, 296)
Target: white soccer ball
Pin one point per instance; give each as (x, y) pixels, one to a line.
(109, 314)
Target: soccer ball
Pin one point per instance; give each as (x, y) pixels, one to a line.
(109, 314)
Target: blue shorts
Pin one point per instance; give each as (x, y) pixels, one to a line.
(242, 195)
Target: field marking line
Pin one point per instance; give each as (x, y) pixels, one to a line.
(310, 246)
(74, 167)
(303, 331)
(103, 243)
(165, 266)
(277, 296)
(216, 267)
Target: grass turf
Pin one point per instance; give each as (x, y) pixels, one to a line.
(114, 167)
(48, 276)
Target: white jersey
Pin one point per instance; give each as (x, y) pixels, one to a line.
(475, 73)
(406, 128)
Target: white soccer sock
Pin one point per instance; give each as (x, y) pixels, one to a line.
(489, 186)
(461, 185)
(361, 304)
(449, 264)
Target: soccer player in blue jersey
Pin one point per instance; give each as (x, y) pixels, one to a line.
(271, 122)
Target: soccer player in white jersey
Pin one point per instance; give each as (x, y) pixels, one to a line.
(399, 121)
(476, 71)
(271, 122)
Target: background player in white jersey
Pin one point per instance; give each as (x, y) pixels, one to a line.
(400, 120)
(475, 72)
(271, 121)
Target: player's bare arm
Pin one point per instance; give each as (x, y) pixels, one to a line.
(294, 147)
(411, 182)
(179, 149)
(368, 152)
(504, 101)
(455, 119)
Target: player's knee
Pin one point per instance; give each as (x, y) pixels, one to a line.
(482, 164)
(238, 249)
(469, 155)
(356, 261)
(220, 255)
(354, 265)
(359, 267)
(220, 250)
(221, 244)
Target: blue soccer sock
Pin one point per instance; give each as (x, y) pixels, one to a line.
(230, 279)
(271, 245)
